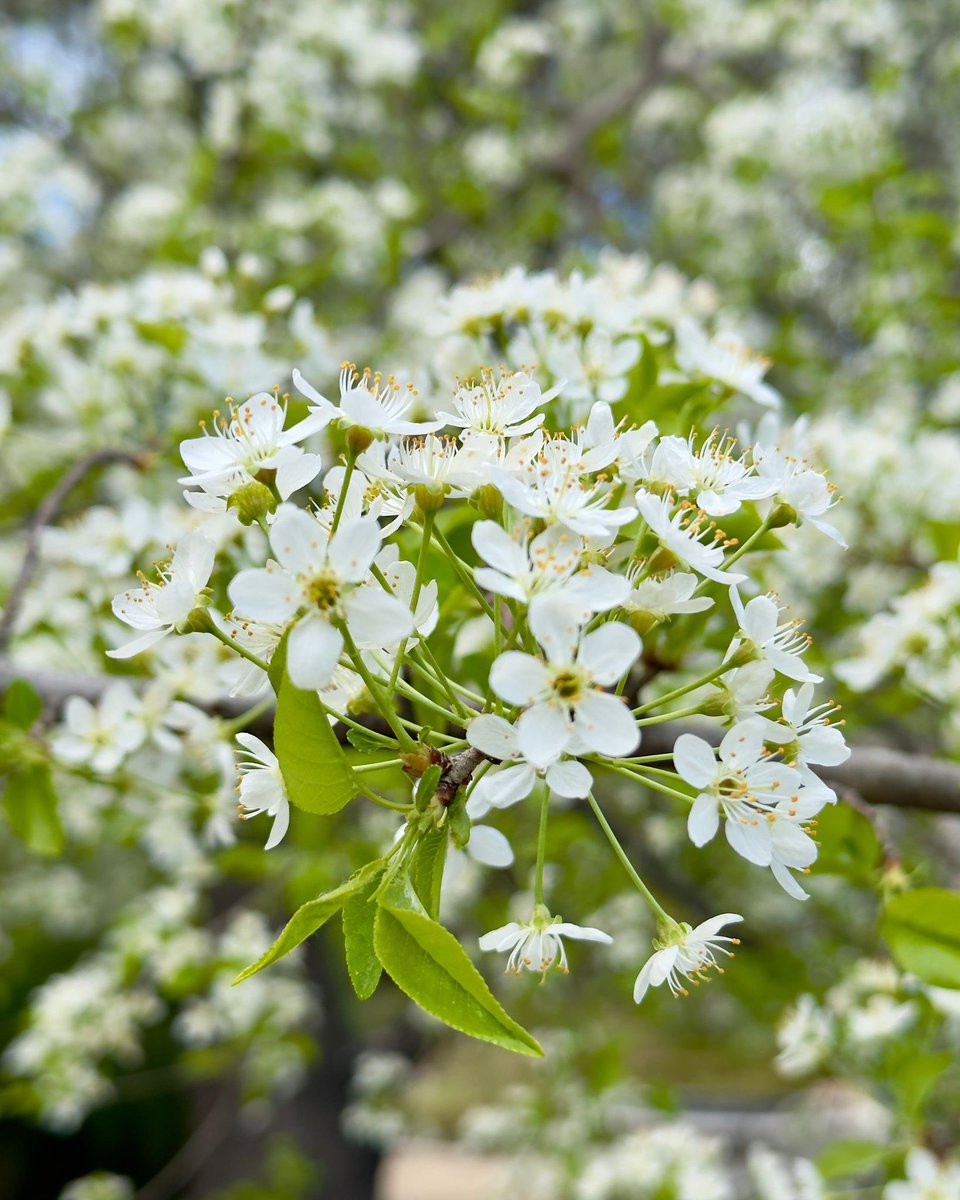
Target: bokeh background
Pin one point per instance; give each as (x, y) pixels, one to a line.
(196, 197)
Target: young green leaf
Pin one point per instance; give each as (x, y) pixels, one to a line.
(428, 963)
(315, 770)
(426, 870)
(308, 919)
(21, 704)
(363, 966)
(922, 929)
(31, 805)
(852, 1157)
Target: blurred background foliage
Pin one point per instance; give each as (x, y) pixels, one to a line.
(194, 198)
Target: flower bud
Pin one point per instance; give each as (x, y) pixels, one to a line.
(783, 514)
(359, 439)
(197, 620)
(662, 560)
(252, 503)
(428, 500)
(488, 501)
(642, 622)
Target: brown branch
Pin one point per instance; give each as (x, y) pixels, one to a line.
(45, 515)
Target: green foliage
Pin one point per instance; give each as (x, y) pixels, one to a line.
(315, 770)
(30, 801)
(922, 929)
(359, 916)
(308, 919)
(853, 1157)
(428, 963)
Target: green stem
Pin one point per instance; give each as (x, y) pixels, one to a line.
(682, 691)
(463, 571)
(234, 645)
(542, 846)
(627, 865)
(229, 728)
(385, 765)
(663, 718)
(428, 519)
(384, 706)
(344, 488)
(653, 784)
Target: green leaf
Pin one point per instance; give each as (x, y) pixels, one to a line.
(31, 805)
(922, 929)
(428, 963)
(361, 740)
(913, 1081)
(849, 845)
(308, 919)
(21, 704)
(426, 870)
(851, 1157)
(315, 770)
(427, 787)
(363, 966)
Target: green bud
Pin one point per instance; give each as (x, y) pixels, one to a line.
(642, 622)
(715, 704)
(252, 502)
(428, 500)
(359, 439)
(783, 514)
(488, 501)
(663, 560)
(745, 653)
(197, 620)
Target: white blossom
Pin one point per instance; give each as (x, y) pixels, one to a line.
(685, 953)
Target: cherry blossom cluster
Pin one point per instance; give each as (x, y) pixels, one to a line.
(561, 556)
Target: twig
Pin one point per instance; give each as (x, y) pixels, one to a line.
(45, 515)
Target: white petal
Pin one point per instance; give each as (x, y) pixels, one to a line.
(298, 541)
(642, 981)
(144, 642)
(606, 725)
(193, 561)
(609, 652)
(703, 820)
(501, 789)
(312, 652)
(787, 881)
(496, 547)
(354, 547)
(581, 933)
(281, 823)
(519, 678)
(570, 779)
(695, 760)
(296, 472)
(543, 732)
(375, 618)
(502, 938)
(493, 735)
(264, 594)
(750, 839)
(556, 625)
(489, 847)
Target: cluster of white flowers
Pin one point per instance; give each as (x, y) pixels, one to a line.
(590, 539)
(88, 1022)
(871, 1006)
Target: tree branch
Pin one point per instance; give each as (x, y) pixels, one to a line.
(45, 515)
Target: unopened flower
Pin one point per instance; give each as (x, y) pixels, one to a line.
(537, 944)
(157, 609)
(685, 953)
